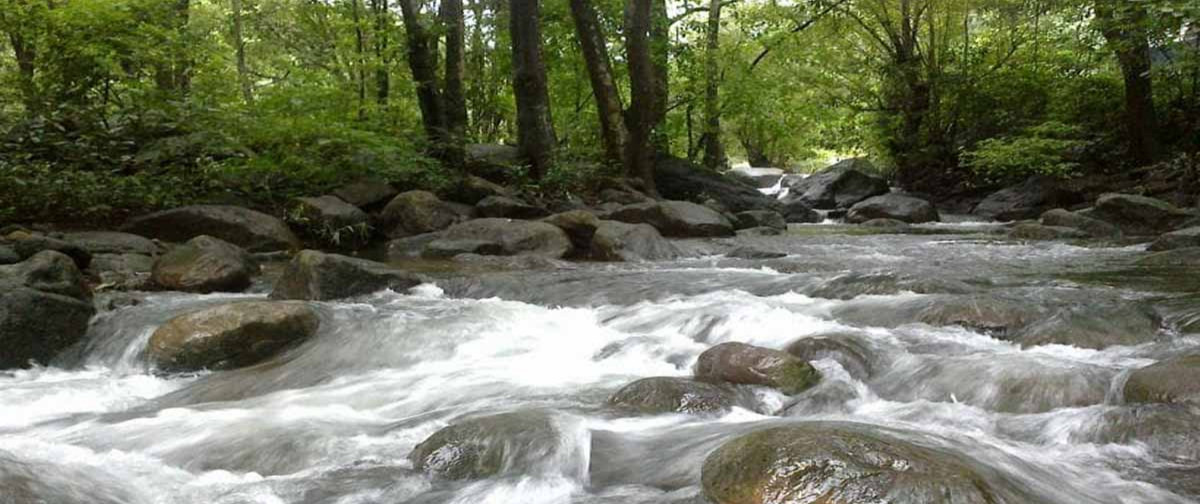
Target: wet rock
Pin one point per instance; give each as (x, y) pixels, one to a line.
(515, 237)
(251, 230)
(893, 206)
(1185, 257)
(797, 211)
(318, 276)
(618, 241)
(1138, 215)
(44, 308)
(366, 194)
(839, 186)
(759, 231)
(848, 350)
(123, 271)
(659, 395)
(112, 242)
(49, 481)
(1097, 324)
(472, 189)
(231, 336)
(579, 225)
(1026, 200)
(1175, 380)
(1188, 237)
(677, 179)
(444, 248)
(839, 463)
(760, 177)
(751, 252)
(508, 208)
(331, 221)
(886, 224)
(491, 161)
(750, 365)
(411, 246)
(991, 315)
(1030, 231)
(8, 255)
(416, 212)
(204, 264)
(676, 218)
(526, 442)
(1094, 227)
(623, 197)
(1167, 430)
(759, 218)
(27, 244)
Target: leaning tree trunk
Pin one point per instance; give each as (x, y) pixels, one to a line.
(535, 130)
(423, 63)
(604, 86)
(714, 153)
(453, 97)
(642, 107)
(1124, 27)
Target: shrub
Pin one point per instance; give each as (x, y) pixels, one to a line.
(1049, 148)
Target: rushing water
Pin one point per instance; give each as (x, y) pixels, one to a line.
(334, 420)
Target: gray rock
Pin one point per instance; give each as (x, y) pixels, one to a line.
(1138, 215)
(251, 230)
(515, 237)
(760, 218)
(798, 211)
(8, 255)
(893, 206)
(112, 242)
(123, 271)
(1183, 257)
(472, 189)
(367, 193)
(27, 245)
(839, 186)
(676, 218)
(1026, 200)
(492, 161)
(751, 252)
(1175, 380)
(760, 231)
(444, 248)
(1093, 227)
(318, 276)
(204, 264)
(677, 179)
(849, 350)
(411, 246)
(508, 208)
(525, 443)
(1030, 231)
(750, 365)
(661, 394)
(45, 307)
(623, 197)
(1184, 238)
(331, 221)
(618, 241)
(579, 225)
(886, 224)
(231, 336)
(416, 212)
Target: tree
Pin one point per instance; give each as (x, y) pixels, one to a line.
(613, 132)
(714, 154)
(239, 48)
(535, 129)
(1125, 25)
(455, 101)
(643, 109)
(383, 80)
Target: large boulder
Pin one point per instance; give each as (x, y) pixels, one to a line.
(580, 226)
(838, 186)
(680, 219)
(251, 230)
(204, 264)
(508, 208)
(761, 178)
(1138, 215)
(366, 194)
(842, 463)
(44, 308)
(664, 394)
(893, 206)
(1183, 257)
(678, 179)
(416, 212)
(850, 351)
(492, 161)
(760, 218)
(112, 242)
(1026, 200)
(1175, 380)
(331, 221)
(1184, 238)
(750, 365)
(123, 271)
(1093, 227)
(231, 336)
(26, 244)
(618, 241)
(795, 209)
(471, 189)
(514, 237)
(526, 443)
(317, 276)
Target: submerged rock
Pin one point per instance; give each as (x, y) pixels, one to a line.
(1175, 380)
(679, 395)
(750, 365)
(204, 264)
(514, 237)
(751, 252)
(992, 315)
(1184, 238)
(618, 241)
(529, 442)
(1183, 257)
(893, 206)
(841, 185)
(318, 276)
(853, 354)
(886, 224)
(44, 308)
(416, 212)
(760, 231)
(231, 336)
(842, 463)
(676, 218)
(251, 230)
(1030, 231)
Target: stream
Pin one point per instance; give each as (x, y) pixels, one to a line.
(939, 359)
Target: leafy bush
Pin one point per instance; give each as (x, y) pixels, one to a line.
(1049, 148)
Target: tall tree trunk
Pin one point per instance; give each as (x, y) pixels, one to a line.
(613, 131)
(175, 75)
(453, 97)
(1123, 25)
(383, 80)
(239, 48)
(360, 49)
(26, 55)
(535, 131)
(422, 62)
(642, 107)
(660, 48)
(714, 153)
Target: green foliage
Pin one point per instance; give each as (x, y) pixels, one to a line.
(1046, 149)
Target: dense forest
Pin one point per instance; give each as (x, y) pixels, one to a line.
(114, 107)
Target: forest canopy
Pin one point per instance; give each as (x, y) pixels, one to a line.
(109, 107)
